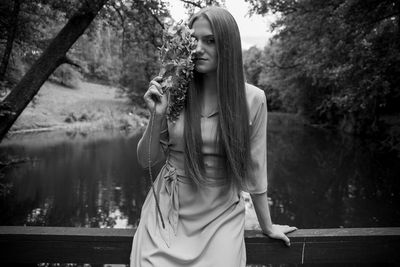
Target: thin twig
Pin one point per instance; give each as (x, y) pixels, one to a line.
(192, 3)
(67, 60)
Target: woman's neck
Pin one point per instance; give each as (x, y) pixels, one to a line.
(209, 94)
(210, 85)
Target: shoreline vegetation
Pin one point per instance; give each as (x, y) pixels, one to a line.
(90, 107)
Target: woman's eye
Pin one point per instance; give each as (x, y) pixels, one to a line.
(210, 41)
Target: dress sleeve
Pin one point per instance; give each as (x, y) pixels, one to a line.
(163, 148)
(256, 180)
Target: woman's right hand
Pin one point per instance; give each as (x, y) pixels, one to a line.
(156, 96)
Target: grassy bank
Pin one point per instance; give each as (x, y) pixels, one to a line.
(92, 107)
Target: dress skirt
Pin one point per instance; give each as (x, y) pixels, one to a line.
(204, 226)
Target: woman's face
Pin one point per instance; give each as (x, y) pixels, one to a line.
(206, 50)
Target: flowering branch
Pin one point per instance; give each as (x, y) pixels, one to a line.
(177, 66)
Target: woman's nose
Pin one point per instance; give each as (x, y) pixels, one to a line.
(199, 48)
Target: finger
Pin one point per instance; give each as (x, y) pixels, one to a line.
(153, 82)
(158, 79)
(153, 94)
(148, 99)
(290, 229)
(157, 85)
(155, 91)
(286, 240)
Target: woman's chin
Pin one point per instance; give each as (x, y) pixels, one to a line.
(199, 69)
(203, 69)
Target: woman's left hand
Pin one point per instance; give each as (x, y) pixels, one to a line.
(278, 231)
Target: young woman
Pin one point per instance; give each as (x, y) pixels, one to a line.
(215, 149)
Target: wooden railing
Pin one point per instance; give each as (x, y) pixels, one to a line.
(96, 246)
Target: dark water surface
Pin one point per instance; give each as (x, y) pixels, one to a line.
(317, 179)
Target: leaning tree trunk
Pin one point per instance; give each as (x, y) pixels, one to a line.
(11, 31)
(55, 55)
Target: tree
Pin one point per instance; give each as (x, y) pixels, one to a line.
(55, 55)
(10, 26)
(252, 64)
(337, 59)
(140, 38)
(28, 26)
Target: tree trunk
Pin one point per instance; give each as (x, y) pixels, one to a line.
(52, 57)
(11, 31)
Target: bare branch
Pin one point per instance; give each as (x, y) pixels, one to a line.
(121, 17)
(147, 10)
(380, 19)
(94, 5)
(192, 3)
(156, 18)
(67, 60)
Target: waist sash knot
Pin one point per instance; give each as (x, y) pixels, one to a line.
(169, 202)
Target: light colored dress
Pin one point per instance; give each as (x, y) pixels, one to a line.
(204, 226)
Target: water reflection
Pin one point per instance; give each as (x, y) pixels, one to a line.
(316, 180)
(322, 179)
(77, 182)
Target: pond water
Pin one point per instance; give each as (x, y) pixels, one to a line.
(317, 179)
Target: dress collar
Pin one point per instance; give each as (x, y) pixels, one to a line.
(210, 114)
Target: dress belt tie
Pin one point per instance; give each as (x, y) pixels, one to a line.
(169, 202)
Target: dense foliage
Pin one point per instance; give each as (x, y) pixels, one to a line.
(119, 48)
(26, 28)
(335, 61)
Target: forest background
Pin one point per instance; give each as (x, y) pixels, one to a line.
(334, 63)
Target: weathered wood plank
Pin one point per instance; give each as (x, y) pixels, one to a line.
(94, 245)
(357, 245)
